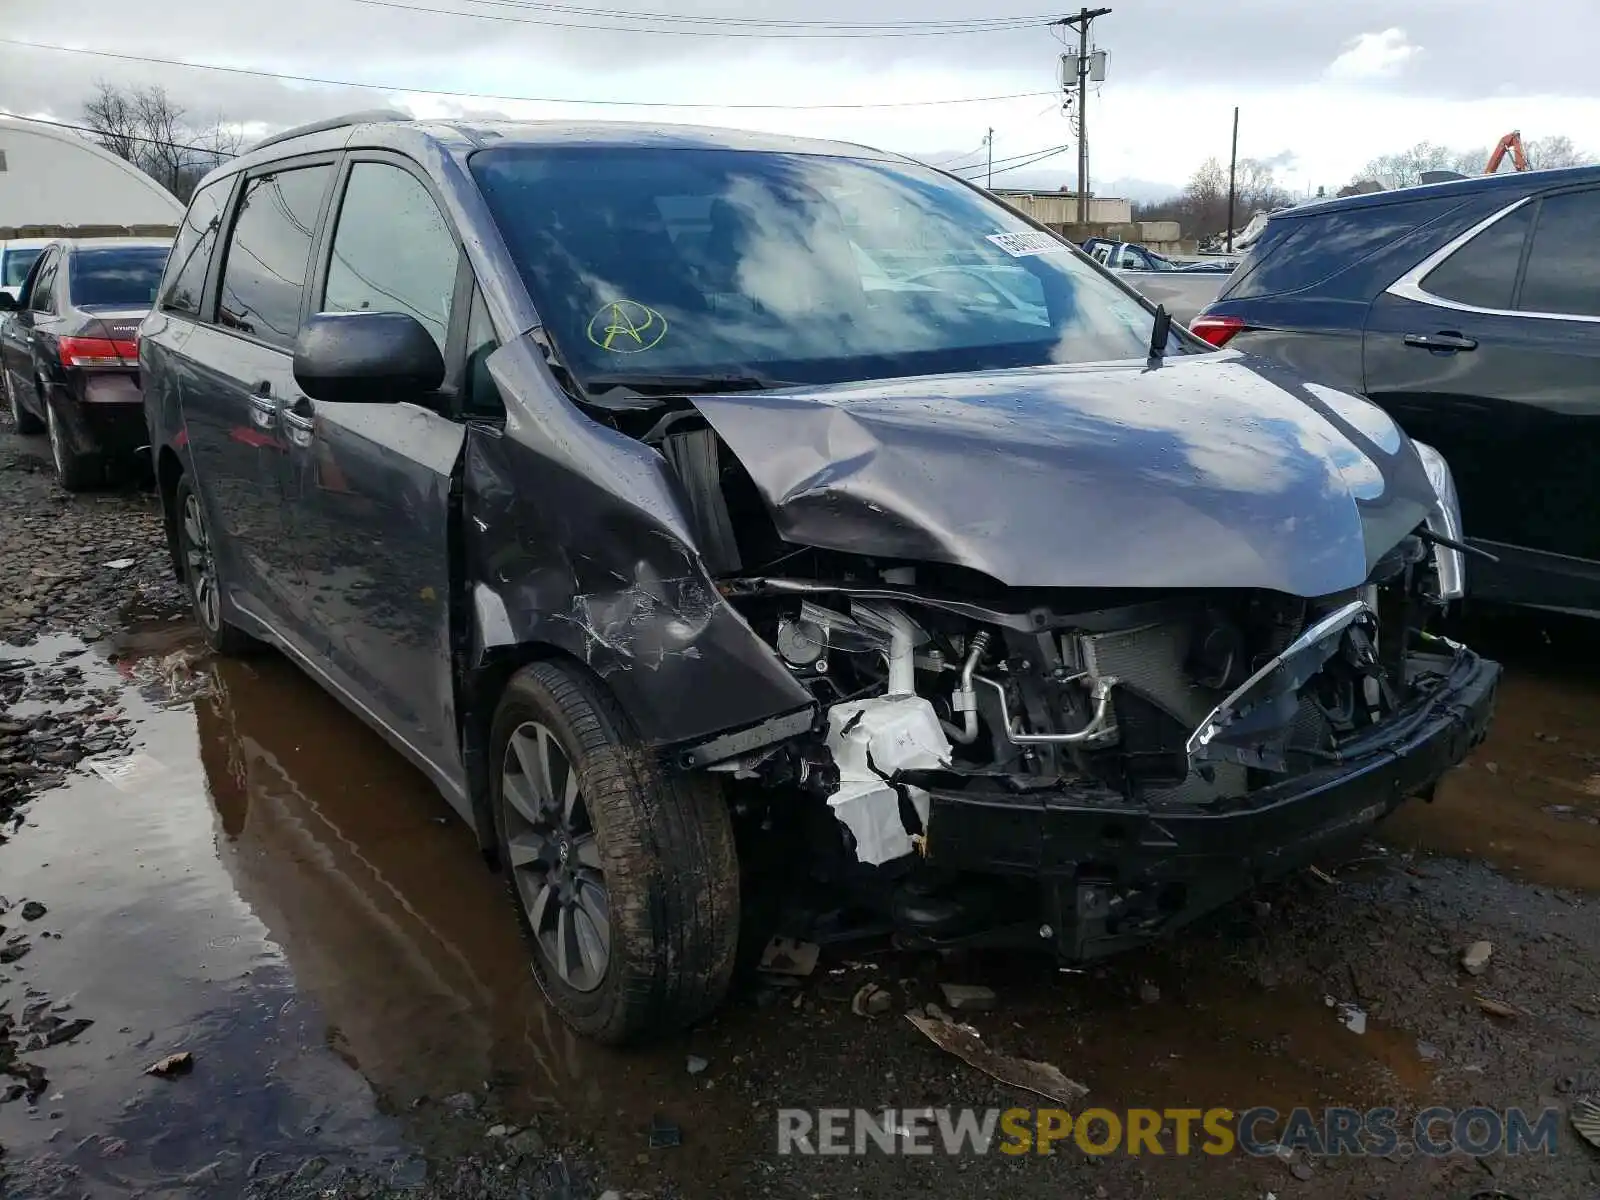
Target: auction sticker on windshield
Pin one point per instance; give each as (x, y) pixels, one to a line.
(627, 327)
(1021, 245)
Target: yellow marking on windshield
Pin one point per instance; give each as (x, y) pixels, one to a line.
(627, 327)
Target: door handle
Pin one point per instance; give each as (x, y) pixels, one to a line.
(263, 408)
(1441, 341)
(299, 419)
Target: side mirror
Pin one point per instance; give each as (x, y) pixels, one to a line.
(8, 302)
(366, 358)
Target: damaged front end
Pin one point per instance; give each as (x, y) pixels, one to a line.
(1089, 767)
(1096, 776)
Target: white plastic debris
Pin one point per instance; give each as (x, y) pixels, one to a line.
(896, 733)
(1353, 1018)
(127, 773)
(119, 564)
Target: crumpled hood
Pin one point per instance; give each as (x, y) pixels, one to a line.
(1211, 470)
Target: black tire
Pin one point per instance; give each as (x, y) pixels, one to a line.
(668, 865)
(198, 566)
(24, 420)
(78, 472)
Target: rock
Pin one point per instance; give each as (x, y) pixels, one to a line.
(464, 1103)
(968, 997)
(526, 1144)
(1149, 993)
(33, 910)
(697, 1064)
(1475, 960)
(785, 956)
(871, 1001)
(1302, 1172)
(67, 1032)
(1429, 1052)
(1498, 1008)
(173, 1064)
(310, 1169)
(498, 1131)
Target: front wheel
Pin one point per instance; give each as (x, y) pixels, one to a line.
(625, 879)
(198, 562)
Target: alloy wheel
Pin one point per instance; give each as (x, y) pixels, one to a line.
(202, 567)
(554, 857)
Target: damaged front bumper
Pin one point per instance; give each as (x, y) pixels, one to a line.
(1114, 874)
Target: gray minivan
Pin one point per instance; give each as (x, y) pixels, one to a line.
(713, 515)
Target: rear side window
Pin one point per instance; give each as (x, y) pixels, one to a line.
(264, 273)
(1563, 273)
(120, 277)
(392, 250)
(1297, 252)
(44, 286)
(1483, 273)
(14, 266)
(185, 279)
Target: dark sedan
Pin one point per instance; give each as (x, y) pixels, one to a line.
(70, 350)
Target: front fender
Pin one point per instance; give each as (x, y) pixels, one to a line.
(576, 537)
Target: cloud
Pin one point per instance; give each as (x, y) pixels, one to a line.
(1374, 56)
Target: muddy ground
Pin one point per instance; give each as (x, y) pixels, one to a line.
(212, 858)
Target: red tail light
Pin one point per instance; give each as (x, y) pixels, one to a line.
(99, 352)
(1216, 330)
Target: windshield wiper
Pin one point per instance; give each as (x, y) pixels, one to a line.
(646, 384)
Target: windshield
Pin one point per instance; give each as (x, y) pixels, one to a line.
(117, 276)
(793, 267)
(14, 266)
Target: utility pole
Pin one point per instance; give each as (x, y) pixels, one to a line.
(1081, 22)
(988, 181)
(1233, 174)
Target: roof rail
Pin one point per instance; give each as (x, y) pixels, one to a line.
(370, 116)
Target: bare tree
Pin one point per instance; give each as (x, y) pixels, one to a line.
(1202, 208)
(1405, 168)
(146, 128)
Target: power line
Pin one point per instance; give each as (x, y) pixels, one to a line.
(704, 33)
(256, 73)
(1026, 161)
(949, 164)
(1030, 156)
(775, 22)
(124, 137)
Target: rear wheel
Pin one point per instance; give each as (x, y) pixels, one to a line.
(77, 472)
(199, 566)
(24, 420)
(625, 880)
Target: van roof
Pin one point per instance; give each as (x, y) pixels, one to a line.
(386, 129)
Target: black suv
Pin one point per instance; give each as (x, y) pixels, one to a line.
(703, 510)
(1470, 310)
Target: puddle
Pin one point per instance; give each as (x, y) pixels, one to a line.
(156, 947)
(1528, 801)
(278, 892)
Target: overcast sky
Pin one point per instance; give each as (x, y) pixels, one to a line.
(1323, 87)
